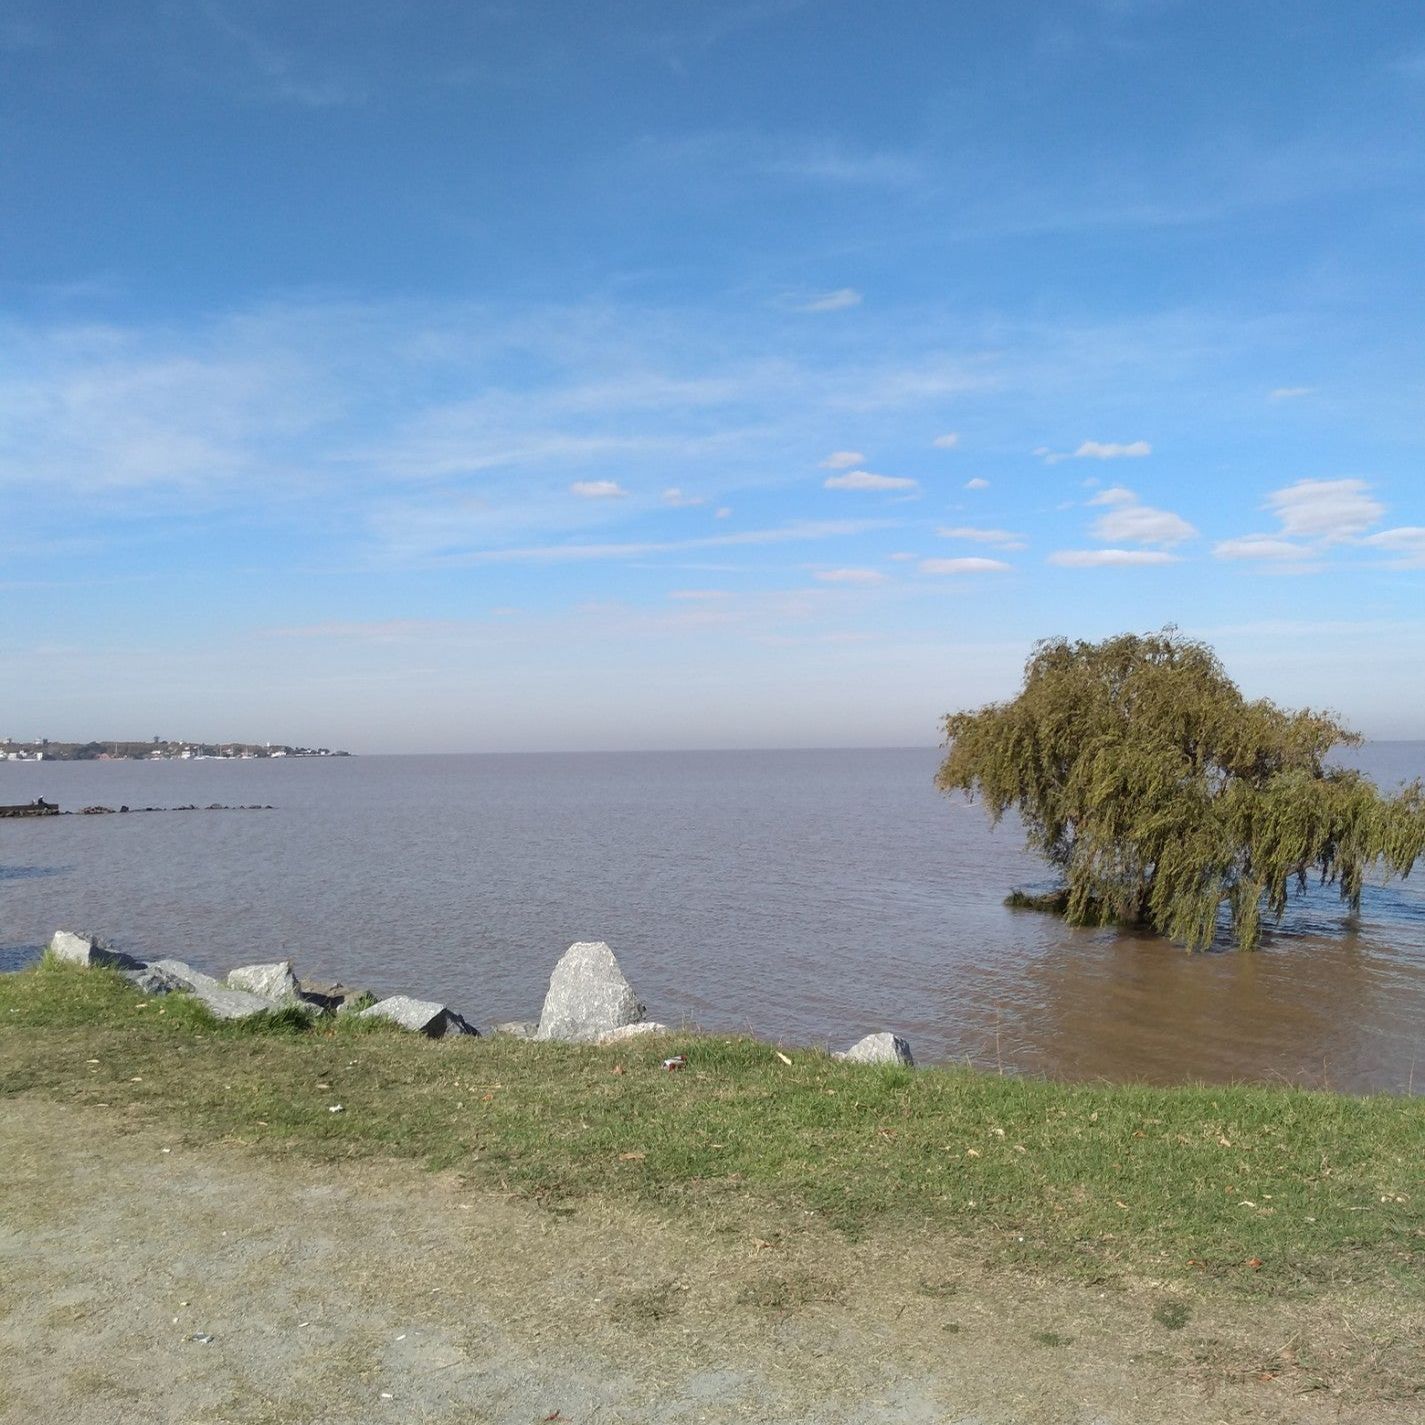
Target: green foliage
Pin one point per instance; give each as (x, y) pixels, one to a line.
(1140, 771)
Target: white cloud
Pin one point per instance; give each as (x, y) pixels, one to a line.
(1327, 510)
(1112, 450)
(1407, 541)
(836, 301)
(678, 500)
(971, 565)
(1129, 519)
(977, 484)
(722, 512)
(1109, 558)
(1097, 450)
(598, 489)
(1290, 393)
(851, 576)
(1261, 546)
(865, 480)
(1114, 495)
(901, 557)
(843, 460)
(1005, 538)
(948, 441)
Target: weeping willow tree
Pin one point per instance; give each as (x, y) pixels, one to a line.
(1162, 795)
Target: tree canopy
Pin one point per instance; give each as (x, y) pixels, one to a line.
(1162, 794)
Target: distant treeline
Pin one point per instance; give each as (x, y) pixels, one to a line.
(152, 750)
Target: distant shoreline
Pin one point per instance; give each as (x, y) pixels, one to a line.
(157, 750)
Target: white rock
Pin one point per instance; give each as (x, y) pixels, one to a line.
(632, 1031)
(223, 1002)
(421, 1015)
(274, 981)
(86, 950)
(879, 1049)
(588, 996)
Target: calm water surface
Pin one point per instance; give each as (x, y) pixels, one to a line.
(809, 896)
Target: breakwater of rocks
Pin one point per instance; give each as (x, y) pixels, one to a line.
(589, 1000)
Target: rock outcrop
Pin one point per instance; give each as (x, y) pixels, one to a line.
(879, 1049)
(423, 1016)
(221, 1000)
(275, 981)
(87, 950)
(588, 996)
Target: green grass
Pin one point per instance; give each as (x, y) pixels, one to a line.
(1270, 1189)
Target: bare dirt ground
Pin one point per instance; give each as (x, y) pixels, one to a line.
(357, 1293)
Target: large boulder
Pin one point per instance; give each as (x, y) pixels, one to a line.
(222, 1001)
(88, 951)
(588, 996)
(424, 1016)
(274, 981)
(879, 1049)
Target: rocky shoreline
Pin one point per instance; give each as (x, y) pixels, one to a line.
(589, 1000)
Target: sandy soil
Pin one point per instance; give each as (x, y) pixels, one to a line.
(357, 1293)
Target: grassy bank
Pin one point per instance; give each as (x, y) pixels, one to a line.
(1262, 1188)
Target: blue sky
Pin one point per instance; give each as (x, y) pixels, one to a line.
(554, 375)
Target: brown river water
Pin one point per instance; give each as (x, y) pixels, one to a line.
(808, 896)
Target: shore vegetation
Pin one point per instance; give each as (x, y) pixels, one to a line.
(1258, 1189)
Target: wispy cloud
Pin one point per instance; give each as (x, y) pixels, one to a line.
(843, 460)
(1290, 393)
(1097, 450)
(850, 576)
(1109, 558)
(948, 441)
(866, 480)
(836, 301)
(598, 490)
(978, 483)
(969, 565)
(566, 553)
(678, 500)
(1004, 538)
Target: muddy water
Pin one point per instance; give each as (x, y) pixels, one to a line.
(811, 896)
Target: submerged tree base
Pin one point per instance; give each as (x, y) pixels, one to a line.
(1049, 902)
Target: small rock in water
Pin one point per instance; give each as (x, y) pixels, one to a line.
(879, 1049)
(421, 1015)
(588, 996)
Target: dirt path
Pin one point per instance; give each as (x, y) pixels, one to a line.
(353, 1294)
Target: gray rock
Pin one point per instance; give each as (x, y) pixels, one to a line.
(86, 950)
(424, 1016)
(150, 981)
(632, 1031)
(879, 1049)
(223, 1002)
(338, 998)
(274, 981)
(588, 996)
(516, 1028)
